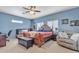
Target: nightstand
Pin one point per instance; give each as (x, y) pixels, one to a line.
(53, 37)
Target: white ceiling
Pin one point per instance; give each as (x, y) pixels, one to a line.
(45, 10)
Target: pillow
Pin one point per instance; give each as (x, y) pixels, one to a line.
(41, 29)
(24, 30)
(75, 37)
(45, 30)
(63, 35)
(32, 33)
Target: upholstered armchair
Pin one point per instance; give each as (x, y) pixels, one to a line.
(70, 42)
(2, 40)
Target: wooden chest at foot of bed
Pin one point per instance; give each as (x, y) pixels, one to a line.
(26, 42)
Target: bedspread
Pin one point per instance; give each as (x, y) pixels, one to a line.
(39, 37)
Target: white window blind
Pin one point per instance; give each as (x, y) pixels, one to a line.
(50, 24)
(53, 24)
(16, 21)
(39, 25)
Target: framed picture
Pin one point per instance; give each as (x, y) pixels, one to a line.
(65, 21)
(74, 23)
(77, 23)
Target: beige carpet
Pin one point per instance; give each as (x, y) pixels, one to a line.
(49, 47)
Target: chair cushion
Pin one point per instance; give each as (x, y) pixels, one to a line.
(75, 37)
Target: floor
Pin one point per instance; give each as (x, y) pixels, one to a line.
(49, 47)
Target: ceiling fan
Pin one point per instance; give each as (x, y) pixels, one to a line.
(31, 10)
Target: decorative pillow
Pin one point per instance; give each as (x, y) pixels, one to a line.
(63, 35)
(24, 30)
(32, 33)
(45, 30)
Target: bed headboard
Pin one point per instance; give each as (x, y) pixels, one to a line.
(45, 28)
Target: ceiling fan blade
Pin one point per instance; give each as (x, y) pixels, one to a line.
(37, 11)
(26, 8)
(26, 12)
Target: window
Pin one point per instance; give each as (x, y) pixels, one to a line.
(16, 21)
(53, 24)
(39, 25)
(50, 24)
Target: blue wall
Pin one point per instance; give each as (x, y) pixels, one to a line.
(72, 14)
(6, 24)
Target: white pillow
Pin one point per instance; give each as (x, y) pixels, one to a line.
(75, 37)
(63, 35)
(24, 30)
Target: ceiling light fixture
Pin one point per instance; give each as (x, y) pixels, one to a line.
(31, 10)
